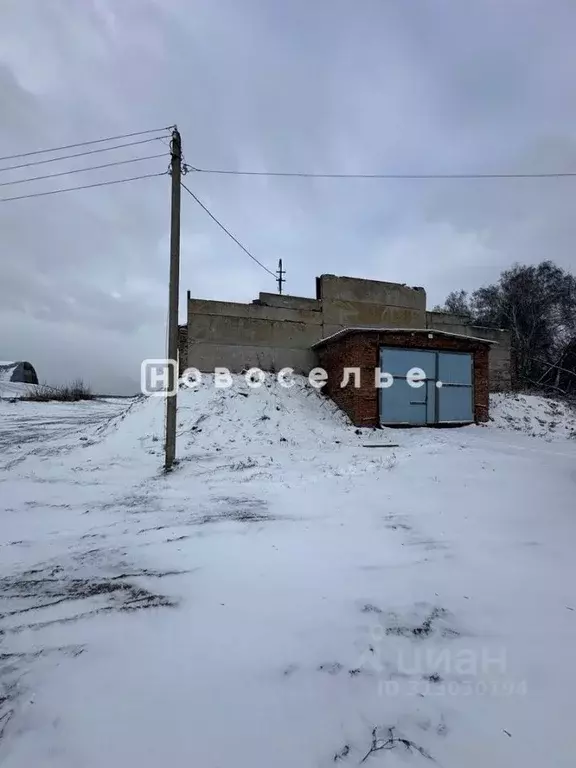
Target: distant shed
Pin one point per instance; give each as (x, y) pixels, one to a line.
(20, 372)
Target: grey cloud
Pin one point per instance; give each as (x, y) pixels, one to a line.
(393, 86)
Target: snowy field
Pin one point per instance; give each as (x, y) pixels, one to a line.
(293, 595)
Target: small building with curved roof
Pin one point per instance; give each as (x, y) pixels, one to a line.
(18, 372)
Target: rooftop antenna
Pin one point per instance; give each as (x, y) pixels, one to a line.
(280, 279)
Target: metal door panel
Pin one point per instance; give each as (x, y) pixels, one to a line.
(446, 396)
(398, 362)
(455, 396)
(455, 404)
(455, 368)
(431, 401)
(402, 403)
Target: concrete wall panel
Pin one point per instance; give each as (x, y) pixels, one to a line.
(371, 291)
(350, 313)
(254, 331)
(289, 302)
(233, 309)
(206, 357)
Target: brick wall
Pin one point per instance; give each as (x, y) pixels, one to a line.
(361, 349)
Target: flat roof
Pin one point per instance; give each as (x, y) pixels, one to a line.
(387, 329)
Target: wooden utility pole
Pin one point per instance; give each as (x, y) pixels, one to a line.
(173, 373)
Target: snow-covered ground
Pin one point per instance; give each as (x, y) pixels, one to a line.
(537, 416)
(292, 595)
(15, 389)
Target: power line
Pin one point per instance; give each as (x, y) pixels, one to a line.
(81, 170)
(392, 176)
(84, 143)
(223, 228)
(80, 154)
(85, 186)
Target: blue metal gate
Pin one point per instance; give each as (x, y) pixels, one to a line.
(444, 396)
(455, 401)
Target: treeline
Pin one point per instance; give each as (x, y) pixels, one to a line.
(537, 304)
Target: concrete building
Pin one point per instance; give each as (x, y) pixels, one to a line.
(275, 332)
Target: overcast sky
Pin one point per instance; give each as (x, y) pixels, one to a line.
(407, 86)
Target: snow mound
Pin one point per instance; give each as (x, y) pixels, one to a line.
(535, 415)
(15, 389)
(271, 420)
(237, 418)
(298, 415)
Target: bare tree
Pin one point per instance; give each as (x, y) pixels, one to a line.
(537, 304)
(457, 303)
